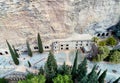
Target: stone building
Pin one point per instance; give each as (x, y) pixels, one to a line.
(70, 45)
(76, 42)
(103, 34)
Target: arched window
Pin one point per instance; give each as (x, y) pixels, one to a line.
(35, 47)
(103, 34)
(6, 52)
(1, 53)
(107, 34)
(98, 34)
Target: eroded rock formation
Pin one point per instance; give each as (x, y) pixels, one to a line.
(23, 19)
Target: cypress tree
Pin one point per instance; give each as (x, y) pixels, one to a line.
(74, 68)
(16, 54)
(84, 80)
(93, 69)
(40, 46)
(98, 72)
(92, 76)
(101, 79)
(41, 71)
(117, 80)
(50, 68)
(15, 60)
(29, 49)
(29, 64)
(82, 70)
(64, 69)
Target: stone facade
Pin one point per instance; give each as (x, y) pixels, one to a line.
(70, 45)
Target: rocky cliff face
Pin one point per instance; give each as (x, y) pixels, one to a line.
(23, 19)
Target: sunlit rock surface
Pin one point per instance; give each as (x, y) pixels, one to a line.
(21, 20)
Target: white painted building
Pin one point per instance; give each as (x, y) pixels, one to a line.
(102, 33)
(75, 41)
(4, 51)
(46, 47)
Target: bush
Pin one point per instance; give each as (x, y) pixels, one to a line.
(102, 43)
(62, 79)
(103, 53)
(34, 79)
(95, 39)
(114, 57)
(111, 41)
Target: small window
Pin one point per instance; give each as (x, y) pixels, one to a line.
(67, 48)
(81, 44)
(16, 49)
(76, 44)
(67, 45)
(47, 47)
(35, 47)
(1, 53)
(25, 51)
(61, 45)
(61, 48)
(103, 34)
(6, 52)
(76, 47)
(107, 34)
(86, 44)
(98, 34)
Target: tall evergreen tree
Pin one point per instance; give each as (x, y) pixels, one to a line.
(29, 64)
(92, 76)
(99, 72)
(101, 79)
(82, 70)
(15, 60)
(117, 80)
(64, 69)
(16, 54)
(84, 80)
(41, 71)
(40, 46)
(29, 49)
(74, 68)
(50, 68)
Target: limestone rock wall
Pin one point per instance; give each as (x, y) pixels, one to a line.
(21, 20)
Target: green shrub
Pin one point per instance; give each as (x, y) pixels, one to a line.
(111, 41)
